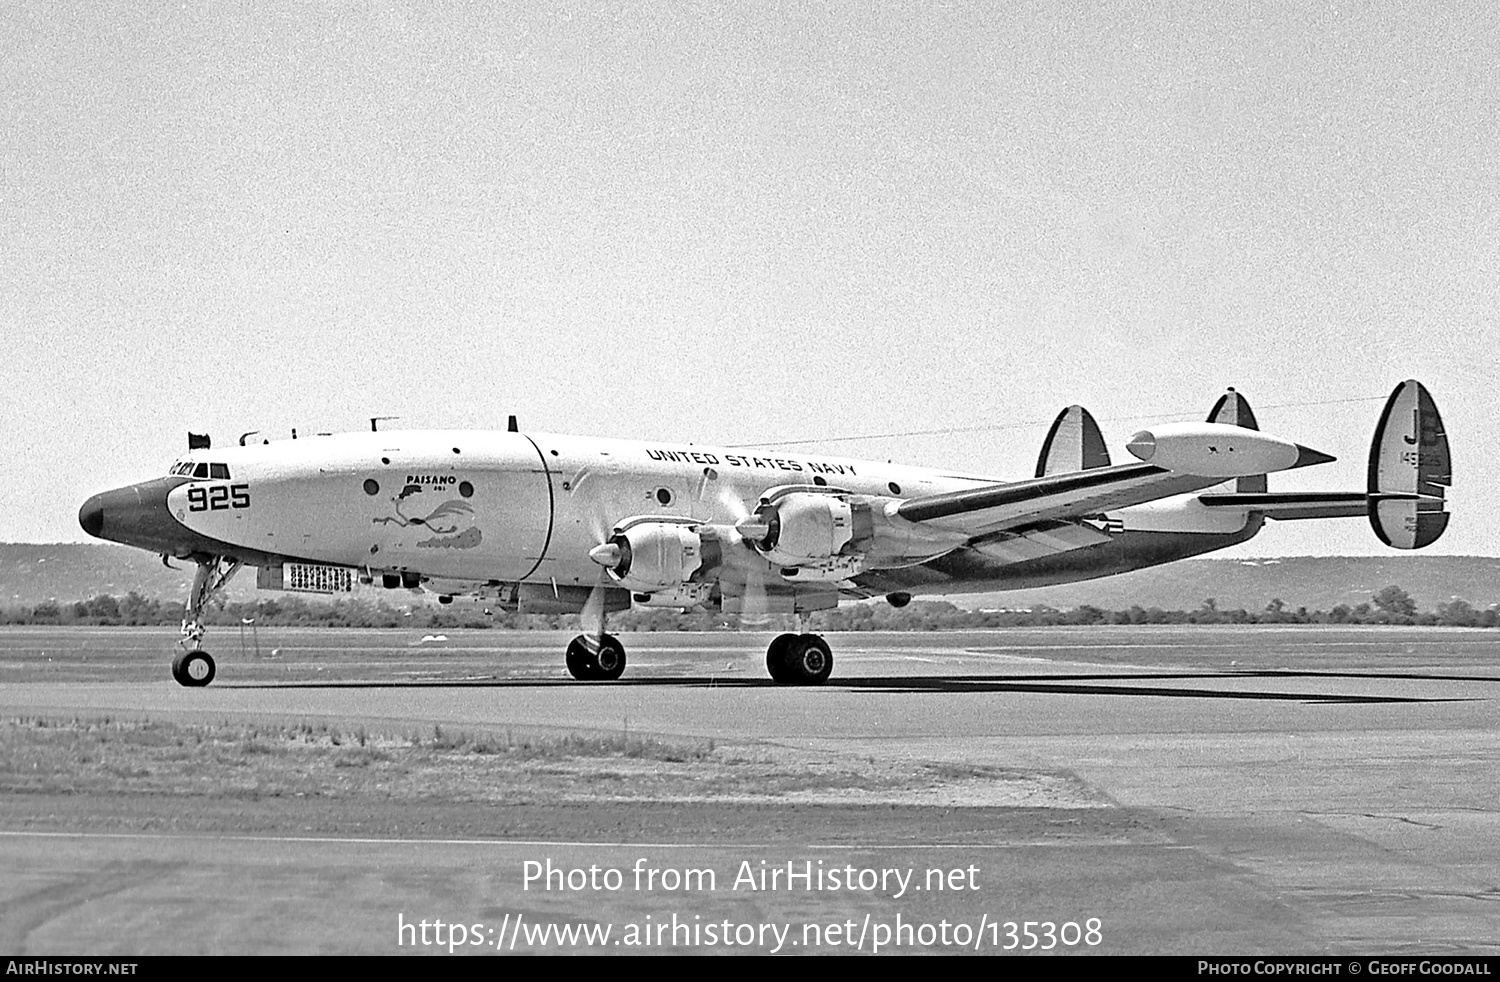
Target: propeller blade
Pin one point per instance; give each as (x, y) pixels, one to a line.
(591, 617)
(753, 612)
(737, 509)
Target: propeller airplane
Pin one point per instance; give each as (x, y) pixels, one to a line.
(536, 522)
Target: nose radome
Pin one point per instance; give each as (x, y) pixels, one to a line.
(91, 516)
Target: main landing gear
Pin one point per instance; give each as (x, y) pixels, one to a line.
(596, 658)
(799, 659)
(792, 659)
(195, 667)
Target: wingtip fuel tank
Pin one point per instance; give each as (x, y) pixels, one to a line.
(1219, 450)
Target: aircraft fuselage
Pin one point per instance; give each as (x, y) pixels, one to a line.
(519, 507)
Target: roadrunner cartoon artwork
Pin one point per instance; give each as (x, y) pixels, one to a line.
(452, 522)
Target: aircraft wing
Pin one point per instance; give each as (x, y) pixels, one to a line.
(982, 511)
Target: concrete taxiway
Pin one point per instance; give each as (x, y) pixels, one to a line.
(1207, 791)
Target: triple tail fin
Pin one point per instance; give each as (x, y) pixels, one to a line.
(1073, 444)
(1409, 476)
(1234, 410)
(1410, 470)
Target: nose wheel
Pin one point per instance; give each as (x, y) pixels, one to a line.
(193, 668)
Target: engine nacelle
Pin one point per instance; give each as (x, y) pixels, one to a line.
(1219, 450)
(652, 556)
(804, 528)
(838, 534)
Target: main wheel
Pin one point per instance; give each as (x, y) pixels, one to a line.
(776, 658)
(609, 663)
(809, 660)
(193, 669)
(587, 665)
(580, 660)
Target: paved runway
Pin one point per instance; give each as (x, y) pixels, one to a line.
(1268, 791)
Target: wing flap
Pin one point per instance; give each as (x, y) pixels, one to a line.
(1049, 539)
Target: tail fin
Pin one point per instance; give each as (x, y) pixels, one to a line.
(1233, 409)
(1073, 444)
(1410, 473)
(1409, 459)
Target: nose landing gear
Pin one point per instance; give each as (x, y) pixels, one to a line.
(195, 667)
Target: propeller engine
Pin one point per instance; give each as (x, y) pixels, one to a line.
(649, 555)
(804, 529)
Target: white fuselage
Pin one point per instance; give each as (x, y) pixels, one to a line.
(494, 505)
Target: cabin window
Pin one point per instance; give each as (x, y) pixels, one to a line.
(219, 472)
(200, 471)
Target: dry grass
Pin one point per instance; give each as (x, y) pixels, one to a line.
(109, 756)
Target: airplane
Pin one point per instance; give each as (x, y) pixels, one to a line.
(535, 522)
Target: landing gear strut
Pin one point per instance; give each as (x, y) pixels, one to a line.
(195, 667)
(799, 659)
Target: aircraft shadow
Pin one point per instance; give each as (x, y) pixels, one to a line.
(1130, 685)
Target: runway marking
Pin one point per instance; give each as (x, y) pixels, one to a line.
(337, 840)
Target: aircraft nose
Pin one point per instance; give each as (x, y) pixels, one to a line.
(91, 516)
(135, 515)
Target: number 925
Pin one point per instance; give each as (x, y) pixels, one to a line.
(219, 497)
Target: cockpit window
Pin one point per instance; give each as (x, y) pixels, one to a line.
(188, 468)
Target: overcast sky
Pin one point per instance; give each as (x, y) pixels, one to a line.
(756, 221)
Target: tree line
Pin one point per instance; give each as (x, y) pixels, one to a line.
(1391, 605)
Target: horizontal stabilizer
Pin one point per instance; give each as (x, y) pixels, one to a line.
(1073, 444)
(1410, 470)
(1289, 505)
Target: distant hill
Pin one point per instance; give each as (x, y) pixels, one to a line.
(30, 574)
(1314, 582)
